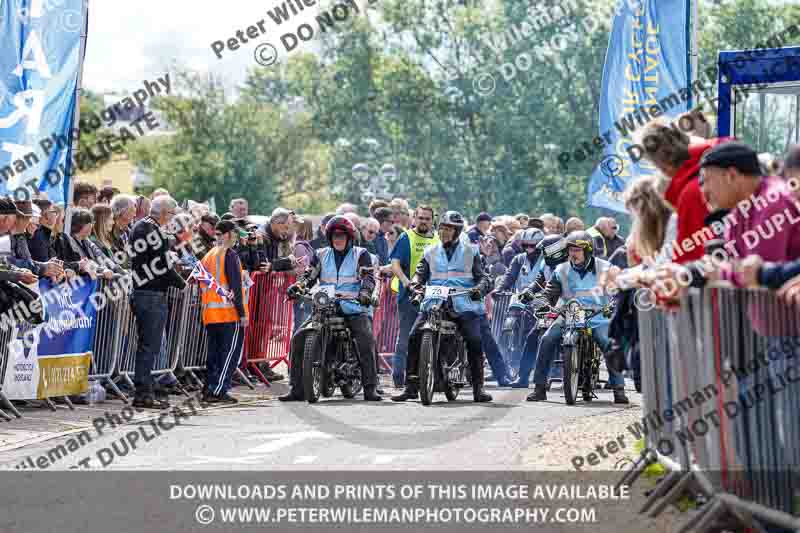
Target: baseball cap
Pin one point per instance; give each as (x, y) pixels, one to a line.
(484, 217)
(224, 226)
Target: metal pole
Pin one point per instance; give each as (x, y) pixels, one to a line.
(692, 13)
(76, 117)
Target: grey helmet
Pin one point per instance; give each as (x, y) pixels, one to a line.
(453, 219)
(531, 236)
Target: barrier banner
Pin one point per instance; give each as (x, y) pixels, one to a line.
(53, 358)
(645, 76)
(39, 66)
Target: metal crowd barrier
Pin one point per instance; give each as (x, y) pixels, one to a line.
(721, 392)
(5, 339)
(166, 361)
(192, 340)
(386, 324)
(268, 339)
(499, 308)
(108, 337)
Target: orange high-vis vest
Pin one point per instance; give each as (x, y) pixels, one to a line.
(217, 309)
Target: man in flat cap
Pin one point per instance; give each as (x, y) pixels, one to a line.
(764, 218)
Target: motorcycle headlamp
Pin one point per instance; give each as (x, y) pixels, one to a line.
(573, 307)
(321, 299)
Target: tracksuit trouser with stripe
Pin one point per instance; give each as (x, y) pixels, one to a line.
(225, 341)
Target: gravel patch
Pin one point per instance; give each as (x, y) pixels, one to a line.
(580, 436)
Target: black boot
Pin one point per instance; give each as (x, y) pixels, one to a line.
(370, 395)
(292, 396)
(539, 394)
(410, 393)
(479, 396)
(620, 397)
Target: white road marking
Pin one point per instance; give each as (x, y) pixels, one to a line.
(283, 440)
(383, 459)
(305, 459)
(207, 459)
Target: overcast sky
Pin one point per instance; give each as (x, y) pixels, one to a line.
(132, 41)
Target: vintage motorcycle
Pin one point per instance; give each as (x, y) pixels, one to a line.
(580, 353)
(443, 353)
(545, 317)
(514, 333)
(330, 354)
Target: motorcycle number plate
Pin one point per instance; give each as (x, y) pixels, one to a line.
(329, 290)
(436, 292)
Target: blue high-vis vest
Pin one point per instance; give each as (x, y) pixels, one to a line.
(346, 280)
(528, 273)
(585, 289)
(455, 273)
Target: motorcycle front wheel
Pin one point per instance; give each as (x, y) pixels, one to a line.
(572, 369)
(312, 368)
(451, 391)
(427, 371)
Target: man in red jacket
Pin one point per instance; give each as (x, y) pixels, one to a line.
(677, 156)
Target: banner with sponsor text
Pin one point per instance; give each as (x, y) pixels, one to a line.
(53, 358)
(645, 76)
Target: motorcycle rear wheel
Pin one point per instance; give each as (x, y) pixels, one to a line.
(312, 369)
(427, 372)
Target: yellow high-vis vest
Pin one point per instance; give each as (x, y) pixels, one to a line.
(418, 244)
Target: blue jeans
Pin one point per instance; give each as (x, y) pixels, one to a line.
(407, 314)
(551, 343)
(528, 356)
(492, 351)
(151, 311)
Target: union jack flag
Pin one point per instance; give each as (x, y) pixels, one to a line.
(207, 281)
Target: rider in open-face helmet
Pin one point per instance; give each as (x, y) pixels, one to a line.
(454, 263)
(575, 279)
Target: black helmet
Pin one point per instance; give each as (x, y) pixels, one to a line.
(582, 240)
(554, 248)
(453, 219)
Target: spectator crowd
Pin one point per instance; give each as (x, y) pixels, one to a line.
(715, 211)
